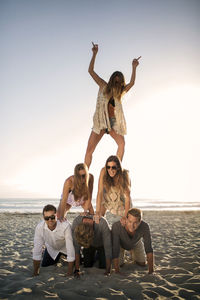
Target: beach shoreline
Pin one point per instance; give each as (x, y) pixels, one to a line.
(176, 244)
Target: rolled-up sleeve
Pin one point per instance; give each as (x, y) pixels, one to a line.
(38, 243)
(147, 239)
(69, 244)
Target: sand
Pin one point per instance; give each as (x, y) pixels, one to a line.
(176, 243)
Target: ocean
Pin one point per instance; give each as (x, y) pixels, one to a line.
(16, 205)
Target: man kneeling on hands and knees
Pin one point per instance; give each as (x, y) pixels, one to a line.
(95, 238)
(57, 239)
(129, 237)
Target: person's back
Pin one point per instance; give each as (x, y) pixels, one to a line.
(94, 238)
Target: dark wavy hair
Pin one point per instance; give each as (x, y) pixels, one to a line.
(120, 180)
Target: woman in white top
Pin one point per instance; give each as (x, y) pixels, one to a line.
(109, 116)
(77, 191)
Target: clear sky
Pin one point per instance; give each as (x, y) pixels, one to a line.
(47, 97)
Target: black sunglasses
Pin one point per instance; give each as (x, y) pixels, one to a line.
(50, 217)
(111, 167)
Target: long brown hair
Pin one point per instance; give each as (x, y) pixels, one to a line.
(81, 189)
(84, 234)
(114, 89)
(120, 180)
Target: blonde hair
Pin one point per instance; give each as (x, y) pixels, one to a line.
(120, 180)
(84, 234)
(115, 90)
(81, 189)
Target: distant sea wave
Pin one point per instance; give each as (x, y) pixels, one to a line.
(36, 205)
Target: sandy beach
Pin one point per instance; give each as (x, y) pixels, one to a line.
(176, 243)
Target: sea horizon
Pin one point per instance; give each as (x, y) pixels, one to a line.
(35, 205)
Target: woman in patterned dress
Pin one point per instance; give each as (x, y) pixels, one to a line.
(113, 190)
(109, 116)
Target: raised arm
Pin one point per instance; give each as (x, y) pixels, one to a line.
(100, 192)
(91, 71)
(135, 63)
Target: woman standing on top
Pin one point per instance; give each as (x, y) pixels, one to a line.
(109, 116)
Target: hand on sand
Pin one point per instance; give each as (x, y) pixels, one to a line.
(77, 274)
(135, 62)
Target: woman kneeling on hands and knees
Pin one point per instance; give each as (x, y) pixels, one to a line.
(77, 191)
(113, 191)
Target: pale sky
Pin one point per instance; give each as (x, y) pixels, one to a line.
(47, 97)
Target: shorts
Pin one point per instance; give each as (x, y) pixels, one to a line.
(48, 260)
(112, 123)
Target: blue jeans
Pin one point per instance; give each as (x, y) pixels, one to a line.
(48, 260)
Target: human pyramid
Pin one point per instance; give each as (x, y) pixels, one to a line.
(90, 236)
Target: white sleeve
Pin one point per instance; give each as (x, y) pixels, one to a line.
(69, 244)
(38, 243)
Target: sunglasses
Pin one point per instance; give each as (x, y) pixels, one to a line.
(83, 176)
(111, 167)
(50, 217)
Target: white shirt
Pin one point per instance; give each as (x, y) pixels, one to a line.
(57, 240)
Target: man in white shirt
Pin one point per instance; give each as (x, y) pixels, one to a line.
(57, 238)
